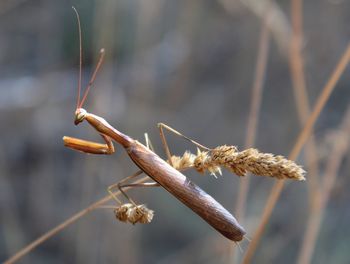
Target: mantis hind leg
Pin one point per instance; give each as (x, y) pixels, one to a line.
(121, 184)
(162, 126)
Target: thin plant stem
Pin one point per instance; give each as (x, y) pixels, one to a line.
(340, 146)
(302, 103)
(278, 186)
(257, 90)
(54, 231)
(300, 93)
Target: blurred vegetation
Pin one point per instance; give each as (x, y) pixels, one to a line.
(191, 65)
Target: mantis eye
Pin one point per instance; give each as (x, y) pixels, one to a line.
(80, 115)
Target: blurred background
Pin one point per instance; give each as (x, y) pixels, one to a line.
(189, 64)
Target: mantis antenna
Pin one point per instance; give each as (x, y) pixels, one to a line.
(102, 53)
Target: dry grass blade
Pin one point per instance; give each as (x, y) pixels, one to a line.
(63, 225)
(277, 188)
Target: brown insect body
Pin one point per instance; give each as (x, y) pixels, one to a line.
(173, 181)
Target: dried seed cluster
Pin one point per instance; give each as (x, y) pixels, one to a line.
(184, 162)
(134, 214)
(240, 162)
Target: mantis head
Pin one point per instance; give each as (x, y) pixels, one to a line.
(80, 115)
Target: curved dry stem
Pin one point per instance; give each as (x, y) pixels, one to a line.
(340, 146)
(277, 188)
(54, 231)
(321, 101)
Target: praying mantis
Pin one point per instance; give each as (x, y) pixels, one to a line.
(166, 173)
(160, 171)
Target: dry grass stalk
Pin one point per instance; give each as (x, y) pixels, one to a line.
(296, 64)
(240, 163)
(255, 105)
(253, 118)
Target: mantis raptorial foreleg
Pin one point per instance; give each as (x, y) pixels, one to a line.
(90, 147)
(107, 149)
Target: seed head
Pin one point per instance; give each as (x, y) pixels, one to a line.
(240, 163)
(203, 162)
(258, 163)
(121, 212)
(134, 214)
(140, 214)
(184, 162)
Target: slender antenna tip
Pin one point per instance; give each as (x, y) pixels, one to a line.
(102, 50)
